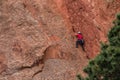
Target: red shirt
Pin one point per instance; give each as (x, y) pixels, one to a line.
(79, 36)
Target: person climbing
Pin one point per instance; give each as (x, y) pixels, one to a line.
(80, 40)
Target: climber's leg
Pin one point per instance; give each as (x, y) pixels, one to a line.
(77, 43)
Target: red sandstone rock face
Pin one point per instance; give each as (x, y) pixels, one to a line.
(94, 19)
(36, 41)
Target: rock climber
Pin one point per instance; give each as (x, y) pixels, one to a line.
(80, 40)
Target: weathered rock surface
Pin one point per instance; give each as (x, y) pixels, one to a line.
(93, 18)
(37, 41)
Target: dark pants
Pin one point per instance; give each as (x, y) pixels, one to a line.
(81, 43)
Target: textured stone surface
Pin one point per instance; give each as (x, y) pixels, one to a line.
(93, 18)
(37, 41)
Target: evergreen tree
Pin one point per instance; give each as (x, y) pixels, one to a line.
(106, 66)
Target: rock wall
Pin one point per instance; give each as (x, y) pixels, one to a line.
(37, 41)
(94, 19)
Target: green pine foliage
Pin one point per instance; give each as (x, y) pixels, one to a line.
(114, 34)
(106, 66)
(79, 77)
